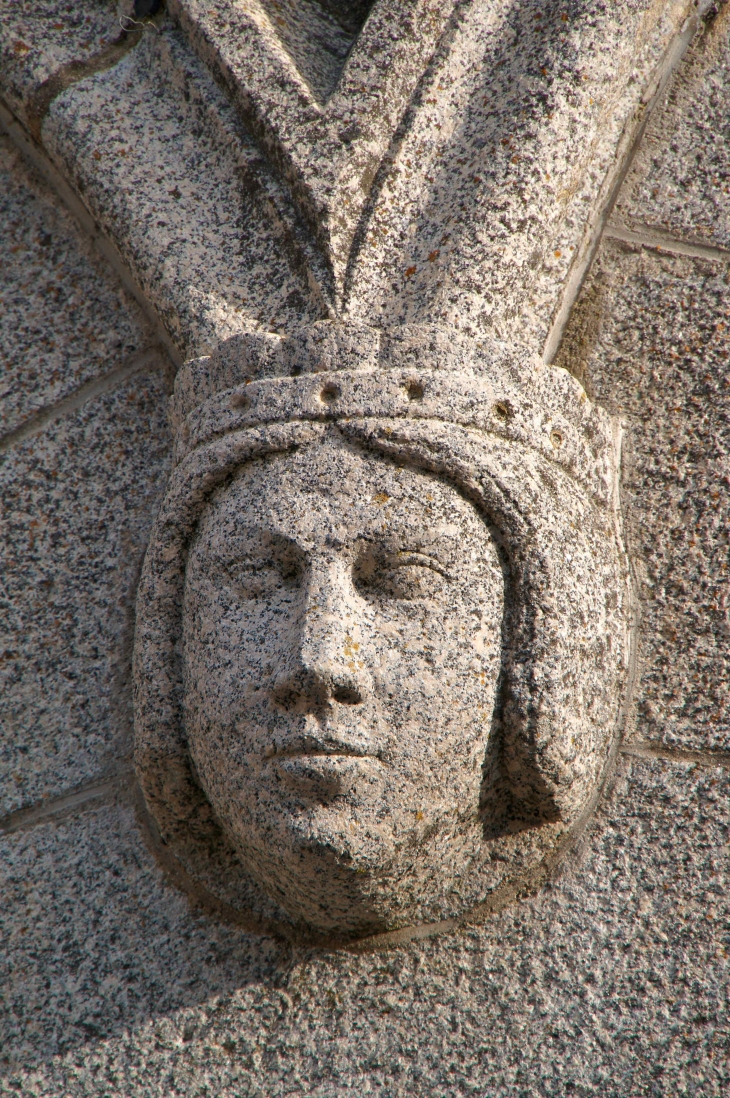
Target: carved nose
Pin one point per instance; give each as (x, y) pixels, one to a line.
(309, 689)
(325, 665)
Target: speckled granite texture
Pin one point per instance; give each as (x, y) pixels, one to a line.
(78, 498)
(392, 716)
(614, 981)
(651, 338)
(78, 501)
(64, 320)
(40, 39)
(118, 977)
(197, 228)
(485, 200)
(679, 184)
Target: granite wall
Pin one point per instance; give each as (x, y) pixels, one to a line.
(612, 978)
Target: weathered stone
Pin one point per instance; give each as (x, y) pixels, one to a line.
(95, 943)
(78, 503)
(176, 183)
(65, 321)
(41, 40)
(651, 339)
(679, 183)
(357, 846)
(367, 300)
(612, 981)
(476, 211)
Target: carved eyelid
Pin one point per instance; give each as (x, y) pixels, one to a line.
(409, 556)
(241, 567)
(248, 564)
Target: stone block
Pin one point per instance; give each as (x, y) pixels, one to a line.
(64, 320)
(39, 40)
(650, 337)
(612, 981)
(679, 183)
(121, 946)
(170, 183)
(78, 504)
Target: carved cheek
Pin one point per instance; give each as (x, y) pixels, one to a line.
(230, 644)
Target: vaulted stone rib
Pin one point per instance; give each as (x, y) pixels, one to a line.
(323, 85)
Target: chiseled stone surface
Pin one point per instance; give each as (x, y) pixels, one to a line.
(612, 981)
(680, 180)
(613, 978)
(388, 715)
(651, 339)
(169, 178)
(327, 131)
(484, 203)
(511, 149)
(364, 604)
(78, 503)
(39, 38)
(64, 320)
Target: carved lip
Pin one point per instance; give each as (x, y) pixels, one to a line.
(313, 749)
(321, 776)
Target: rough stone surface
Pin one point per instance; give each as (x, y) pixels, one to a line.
(613, 978)
(39, 39)
(651, 339)
(680, 181)
(507, 688)
(175, 181)
(64, 320)
(613, 981)
(367, 650)
(484, 201)
(78, 502)
(95, 943)
(490, 197)
(327, 137)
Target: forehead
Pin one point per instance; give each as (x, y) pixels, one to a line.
(333, 490)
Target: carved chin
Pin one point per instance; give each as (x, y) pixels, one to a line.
(340, 842)
(347, 862)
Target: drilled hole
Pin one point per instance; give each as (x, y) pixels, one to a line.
(414, 389)
(556, 437)
(329, 394)
(503, 410)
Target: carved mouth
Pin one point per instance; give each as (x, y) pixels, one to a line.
(323, 775)
(310, 747)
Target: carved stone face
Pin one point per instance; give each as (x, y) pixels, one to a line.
(342, 641)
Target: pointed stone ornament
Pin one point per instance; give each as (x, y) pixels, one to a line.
(323, 99)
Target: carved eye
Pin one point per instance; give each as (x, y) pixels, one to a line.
(259, 578)
(398, 575)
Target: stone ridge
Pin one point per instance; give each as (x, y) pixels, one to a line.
(328, 148)
(480, 207)
(327, 346)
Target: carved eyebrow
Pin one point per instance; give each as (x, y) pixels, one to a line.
(256, 543)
